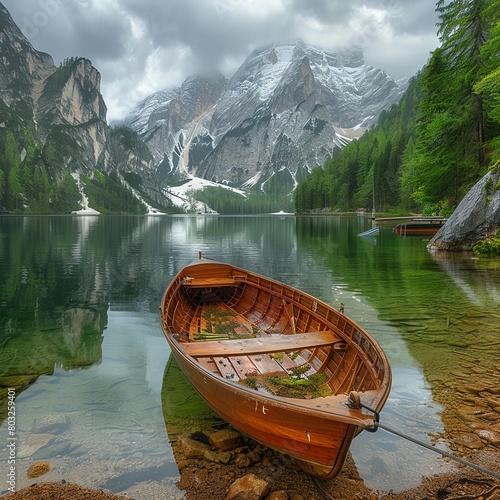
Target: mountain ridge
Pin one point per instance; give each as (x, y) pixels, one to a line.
(288, 106)
(283, 111)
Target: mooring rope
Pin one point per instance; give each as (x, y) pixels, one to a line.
(437, 450)
(354, 401)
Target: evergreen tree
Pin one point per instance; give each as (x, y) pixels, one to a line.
(463, 31)
(15, 198)
(489, 86)
(12, 188)
(2, 186)
(451, 131)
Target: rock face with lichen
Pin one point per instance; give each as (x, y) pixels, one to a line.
(476, 218)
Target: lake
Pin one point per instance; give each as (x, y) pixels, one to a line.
(83, 358)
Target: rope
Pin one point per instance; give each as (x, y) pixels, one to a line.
(437, 450)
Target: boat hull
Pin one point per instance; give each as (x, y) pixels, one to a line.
(316, 432)
(320, 444)
(418, 229)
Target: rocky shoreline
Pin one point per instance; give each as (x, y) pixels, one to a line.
(227, 466)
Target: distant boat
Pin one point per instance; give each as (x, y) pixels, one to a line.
(371, 232)
(277, 364)
(419, 227)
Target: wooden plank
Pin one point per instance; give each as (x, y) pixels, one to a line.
(288, 363)
(194, 326)
(208, 282)
(243, 366)
(209, 364)
(260, 345)
(225, 369)
(265, 363)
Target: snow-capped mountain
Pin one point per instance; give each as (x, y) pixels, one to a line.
(284, 111)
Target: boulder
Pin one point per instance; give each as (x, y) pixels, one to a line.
(249, 487)
(476, 218)
(222, 457)
(226, 439)
(192, 448)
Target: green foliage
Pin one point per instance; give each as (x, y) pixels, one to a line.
(219, 322)
(65, 196)
(10, 182)
(426, 152)
(488, 248)
(127, 137)
(59, 148)
(451, 132)
(226, 201)
(108, 195)
(296, 385)
(251, 381)
(489, 86)
(279, 184)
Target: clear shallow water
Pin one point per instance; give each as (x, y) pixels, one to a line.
(81, 344)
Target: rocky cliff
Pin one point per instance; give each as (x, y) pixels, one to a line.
(285, 110)
(476, 218)
(65, 114)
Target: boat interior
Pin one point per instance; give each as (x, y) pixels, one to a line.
(245, 327)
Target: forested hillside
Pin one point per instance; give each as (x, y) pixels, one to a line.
(427, 151)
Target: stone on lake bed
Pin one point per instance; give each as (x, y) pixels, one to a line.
(243, 461)
(226, 439)
(33, 444)
(469, 413)
(218, 457)
(50, 423)
(249, 487)
(192, 448)
(470, 440)
(53, 450)
(38, 469)
(491, 437)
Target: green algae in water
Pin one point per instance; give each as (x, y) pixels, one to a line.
(179, 400)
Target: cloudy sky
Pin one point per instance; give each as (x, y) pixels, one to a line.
(140, 46)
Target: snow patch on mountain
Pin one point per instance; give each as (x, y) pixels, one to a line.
(182, 196)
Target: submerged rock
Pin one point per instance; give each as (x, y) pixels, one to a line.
(192, 448)
(249, 487)
(226, 439)
(54, 424)
(476, 218)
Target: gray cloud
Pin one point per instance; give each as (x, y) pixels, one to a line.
(140, 46)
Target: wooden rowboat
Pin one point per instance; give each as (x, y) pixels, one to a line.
(282, 367)
(419, 227)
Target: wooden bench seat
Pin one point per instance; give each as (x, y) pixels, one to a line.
(208, 282)
(265, 344)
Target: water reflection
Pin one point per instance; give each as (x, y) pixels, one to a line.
(52, 312)
(78, 316)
